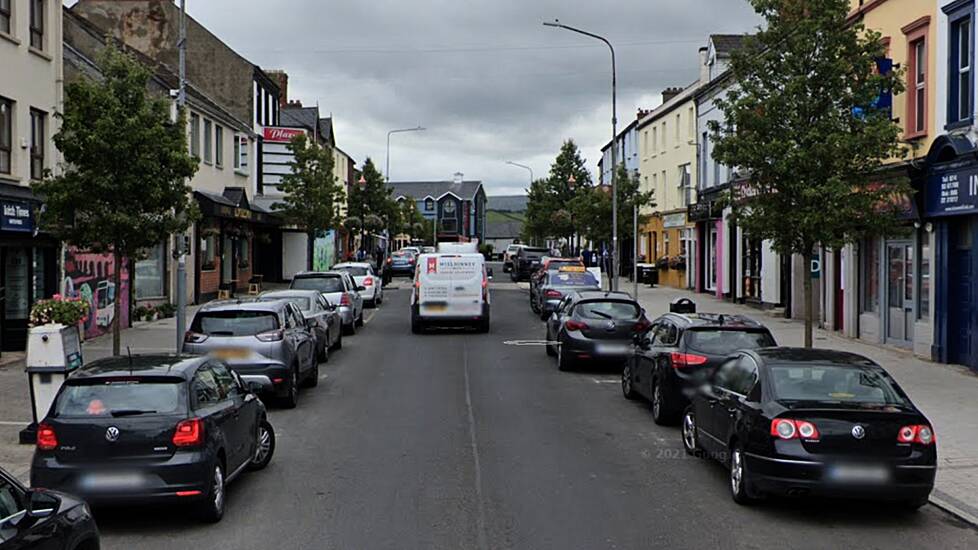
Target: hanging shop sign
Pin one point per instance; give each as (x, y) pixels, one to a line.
(16, 216)
(952, 193)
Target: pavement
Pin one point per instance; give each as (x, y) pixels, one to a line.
(463, 440)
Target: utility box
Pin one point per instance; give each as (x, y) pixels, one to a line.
(53, 353)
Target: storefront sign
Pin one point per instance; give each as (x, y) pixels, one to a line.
(281, 135)
(952, 193)
(674, 220)
(16, 216)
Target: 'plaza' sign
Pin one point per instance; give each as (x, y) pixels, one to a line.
(274, 134)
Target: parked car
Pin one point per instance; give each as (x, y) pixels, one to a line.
(402, 262)
(265, 342)
(340, 290)
(541, 276)
(551, 290)
(152, 429)
(363, 275)
(320, 315)
(680, 352)
(801, 422)
(43, 519)
(594, 326)
(416, 250)
(450, 289)
(527, 260)
(428, 250)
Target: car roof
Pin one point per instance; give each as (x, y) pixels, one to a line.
(599, 294)
(243, 305)
(714, 320)
(314, 274)
(352, 264)
(289, 293)
(808, 356)
(161, 365)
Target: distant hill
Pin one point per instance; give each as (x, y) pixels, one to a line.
(507, 203)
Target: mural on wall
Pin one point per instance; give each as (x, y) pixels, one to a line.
(324, 252)
(89, 276)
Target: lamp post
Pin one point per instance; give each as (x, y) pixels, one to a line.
(387, 170)
(523, 166)
(363, 213)
(571, 184)
(614, 149)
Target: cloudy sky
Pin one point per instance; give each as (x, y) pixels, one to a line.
(485, 78)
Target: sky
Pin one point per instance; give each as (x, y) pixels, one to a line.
(489, 82)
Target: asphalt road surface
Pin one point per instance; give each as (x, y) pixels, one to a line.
(460, 441)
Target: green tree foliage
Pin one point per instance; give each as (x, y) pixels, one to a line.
(311, 191)
(412, 222)
(549, 212)
(812, 160)
(592, 209)
(123, 187)
(373, 199)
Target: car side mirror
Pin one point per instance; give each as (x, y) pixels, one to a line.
(255, 386)
(42, 504)
(361, 288)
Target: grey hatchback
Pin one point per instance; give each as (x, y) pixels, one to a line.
(264, 342)
(339, 288)
(321, 317)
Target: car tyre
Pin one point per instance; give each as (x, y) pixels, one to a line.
(350, 329)
(627, 388)
(359, 321)
(740, 486)
(483, 326)
(914, 504)
(211, 508)
(662, 407)
(291, 399)
(312, 379)
(691, 442)
(417, 326)
(563, 362)
(550, 348)
(264, 446)
(338, 344)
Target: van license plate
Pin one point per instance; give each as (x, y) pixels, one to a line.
(436, 308)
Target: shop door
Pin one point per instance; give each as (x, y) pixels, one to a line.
(229, 269)
(16, 272)
(711, 259)
(960, 293)
(899, 293)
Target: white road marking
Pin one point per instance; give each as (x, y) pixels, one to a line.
(368, 319)
(14, 423)
(605, 380)
(474, 444)
(530, 343)
(323, 376)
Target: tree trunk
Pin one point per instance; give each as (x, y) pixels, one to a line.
(809, 297)
(117, 304)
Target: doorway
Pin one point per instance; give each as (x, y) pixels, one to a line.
(711, 258)
(16, 275)
(900, 281)
(961, 294)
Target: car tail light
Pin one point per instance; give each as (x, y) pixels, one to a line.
(686, 360)
(47, 440)
(345, 299)
(787, 428)
(642, 325)
(411, 261)
(189, 433)
(194, 337)
(368, 282)
(390, 260)
(575, 325)
(271, 336)
(552, 294)
(188, 493)
(920, 433)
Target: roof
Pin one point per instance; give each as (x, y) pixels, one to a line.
(140, 365)
(420, 190)
(714, 320)
(725, 44)
(503, 230)
(507, 203)
(689, 92)
(811, 355)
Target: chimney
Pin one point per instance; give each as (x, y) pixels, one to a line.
(294, 103)
(642, 113)
(670, 93)
(458, 178)
(704, 65)
(282, 79)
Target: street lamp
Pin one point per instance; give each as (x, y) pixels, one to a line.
(363, 214)
(614, 149)
(571, 184)
(387, 172)
(523, 166)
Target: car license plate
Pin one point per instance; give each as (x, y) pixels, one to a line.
(859, 473)
(232, 353)
(611, 348)
(112, 481)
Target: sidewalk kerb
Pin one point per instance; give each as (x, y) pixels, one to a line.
(955, 507)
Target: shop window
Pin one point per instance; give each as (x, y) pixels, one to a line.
(923, 285)
(960, 62)
(38, 121)
(751, 264)
(150, 274)
(5, 16)
(195, 135)
(870, 276)
(208, 141)
(208, 253)
(37, 24)
(40, 274)
(219, 146)
(665, 242)
(6, 134)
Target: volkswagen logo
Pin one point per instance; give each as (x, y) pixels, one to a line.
(112, 434)
(858, 432)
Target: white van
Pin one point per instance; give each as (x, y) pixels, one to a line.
(458, 248)
(450, 289)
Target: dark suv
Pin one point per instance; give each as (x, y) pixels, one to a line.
(527, 261)
(680, 351)
(152, 428)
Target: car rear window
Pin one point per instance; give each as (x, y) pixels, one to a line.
(129, 397)
(355, 271)
(608, 310)
(300, 301)
(322, 284)
(835, 384)
(726, 341)
(535, 252)
(235, 323)
(573, 278)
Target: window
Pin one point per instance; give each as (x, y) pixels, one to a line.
(645, 146)
(37, 24)
(244, 149)
(244, 257)
(5, 16)
(6, 134)
(195, 135)
(685, 185)
(664, 136)
(704, 160)
(150, 274)
(917, 95)
(237, 152)
(208, 252)
(677, 130)
(665, 242)
(655, 139)
(219, 146)
(37, 144)
(206, 390)
(208, 141)
(960, 84)
(224, 378)
(923, 288)
(692, 124)
(871, 276)
(429, 205)
(258, 104)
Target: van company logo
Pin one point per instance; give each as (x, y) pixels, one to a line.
(432, 265)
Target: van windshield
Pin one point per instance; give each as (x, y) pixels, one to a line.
(324, 284)
(353, 270)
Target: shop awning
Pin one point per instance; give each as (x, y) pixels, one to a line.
(233, 204)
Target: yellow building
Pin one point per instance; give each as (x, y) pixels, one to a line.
(667, 151)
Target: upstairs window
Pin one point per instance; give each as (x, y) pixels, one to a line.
(38, 120)
(429, 205)
(208, 141)
(6, 134)
(219, 146)
(195, 135)
(918, 71)
(37, 24)
(960, 64)
(5, 16)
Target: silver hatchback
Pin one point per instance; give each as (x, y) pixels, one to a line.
(339, 288)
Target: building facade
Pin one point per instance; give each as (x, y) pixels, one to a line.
(456, 208)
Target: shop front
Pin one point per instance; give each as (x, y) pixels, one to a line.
(666, 244)
(708, 249)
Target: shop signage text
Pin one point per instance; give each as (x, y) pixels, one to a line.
(281, 135)
(16, 216)
(952, 193)
(674, 220)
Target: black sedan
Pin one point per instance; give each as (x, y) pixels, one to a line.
(38, 518)
(151, 429)
(594, 326)
(798, 422)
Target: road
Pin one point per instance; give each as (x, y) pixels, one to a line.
(458, 440)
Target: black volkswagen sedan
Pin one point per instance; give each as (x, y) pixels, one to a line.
(595, 327)
(152, 429)
(797, 422)
(38, 518)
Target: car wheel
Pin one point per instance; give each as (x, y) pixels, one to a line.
(550, 348)
(211, 509)
(563, 362)
(359, 321)
(533, 306)
(338, 344)
(483, 326)
(323, 355)
(740, 488)
(291, 399)
(417, 326)
(626, 382)
(690, 436)
(350, 329)
(661, 406)
(913, 504)
(264, 446)
(312, 379)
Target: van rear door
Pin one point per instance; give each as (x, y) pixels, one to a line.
(467, 272)
(433, 284)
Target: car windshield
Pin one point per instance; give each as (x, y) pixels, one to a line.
(235, 322)
(356, 271)
(835, 384)
(324, 284)
(723, 342)
(608, 310)
(121, 398)
(573, 278)
(301, 301)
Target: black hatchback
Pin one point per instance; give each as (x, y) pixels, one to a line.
(679, 352)
(797, 422)
(39, 518)
(151, 429)
(595, 327)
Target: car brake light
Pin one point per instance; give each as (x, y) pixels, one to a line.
(552, 294)
(368, 282)
(390, 260)
(47, 440)
(786, 428)
(188, 493)
(271, 336)
(575, 325)
(686, 360)
(188, 433)
(642, 325)
(920, 433)
(194, 337)
(410, 260)
(345, 299)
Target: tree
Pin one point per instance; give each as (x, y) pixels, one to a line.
(802, 123)
(372, 198)
(310, 190)
(592, 208)
(412, 222)
(549, 212)
(123, 188)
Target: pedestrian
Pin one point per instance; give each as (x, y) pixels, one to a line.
(586, 256)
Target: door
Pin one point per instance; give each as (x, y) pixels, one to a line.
(710, 405)
(732, 389)
(666, 339)
(217, 410)
(229, 271)
(711, 258)
(239, 430)
(899, 293)
(16, 296)
(961, 295)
